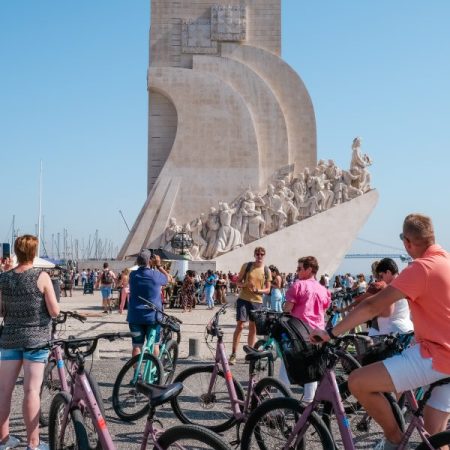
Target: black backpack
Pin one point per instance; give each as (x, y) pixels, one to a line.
(107, 277)
(304, 361)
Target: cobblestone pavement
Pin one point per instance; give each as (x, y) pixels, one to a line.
(112, 356)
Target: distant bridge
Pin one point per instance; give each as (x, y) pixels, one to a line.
(403, 257)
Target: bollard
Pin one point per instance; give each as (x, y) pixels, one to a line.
(194, 346)
(96, 354)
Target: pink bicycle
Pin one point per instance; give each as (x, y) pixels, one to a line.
(67, 429)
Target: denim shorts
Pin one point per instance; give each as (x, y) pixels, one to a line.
(243, 308)
(145, 331)
(106, 292)
(19, 354)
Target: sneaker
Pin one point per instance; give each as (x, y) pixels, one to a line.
(12, 442)
(41, 446)
(105, 311)
(384, 444)
(232, 359)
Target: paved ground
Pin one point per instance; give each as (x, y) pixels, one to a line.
(112, 356)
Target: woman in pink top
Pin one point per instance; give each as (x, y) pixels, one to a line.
(125, 292)
(307, 300)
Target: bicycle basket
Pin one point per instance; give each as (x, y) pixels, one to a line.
(305, 362)
(264, 320)
(166, 322)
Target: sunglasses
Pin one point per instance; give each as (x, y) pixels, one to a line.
(260, 254)
(403, 237)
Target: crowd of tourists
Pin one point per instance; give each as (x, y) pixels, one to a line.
(416, 299)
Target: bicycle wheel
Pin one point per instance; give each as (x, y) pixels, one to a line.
(129, 404)
(195, 406)
(438, 441)
(94, 442)
(168, 358)
(271, 423)
(74, 435)
(191, 437)
(269, 388)
(50, 386)
(263, 367)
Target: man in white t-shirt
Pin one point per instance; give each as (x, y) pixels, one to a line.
(397, 317)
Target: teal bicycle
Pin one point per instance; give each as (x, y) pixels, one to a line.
(264, 367)
(130, 404)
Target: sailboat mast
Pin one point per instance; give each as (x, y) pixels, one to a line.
(40, 211)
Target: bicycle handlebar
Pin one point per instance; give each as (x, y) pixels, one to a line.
(155, 308)
(63, 315)
(75, 343)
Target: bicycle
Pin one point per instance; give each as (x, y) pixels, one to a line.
(212, 397)
(66, 423)
(58, 376)
(83, 395)
(128, 403)
(55, 376)
(285, 423)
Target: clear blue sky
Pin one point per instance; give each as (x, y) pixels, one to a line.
(73, 93)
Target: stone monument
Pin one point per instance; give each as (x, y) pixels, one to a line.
(228, 118)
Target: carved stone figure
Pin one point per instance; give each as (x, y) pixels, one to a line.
(228, 237)
(358, 166)
(200, 244)
(253, 222)
(287, 197)
(328, 196)
(349, 178)
(274, 215)
(171, 230)
(212, 226)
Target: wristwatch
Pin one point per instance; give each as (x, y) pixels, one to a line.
(329, 330)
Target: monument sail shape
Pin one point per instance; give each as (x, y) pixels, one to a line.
(226, 113)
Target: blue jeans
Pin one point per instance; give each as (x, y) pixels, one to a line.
(209, 292)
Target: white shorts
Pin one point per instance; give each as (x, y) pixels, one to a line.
(411, 370)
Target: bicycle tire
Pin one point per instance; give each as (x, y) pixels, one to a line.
(50, 386)
(128, 404)
(177, 434)
(278, 416)
(268, 388)
(78, 438)
(196, 382)
(168, 359)
(437, 441)
(264, 367)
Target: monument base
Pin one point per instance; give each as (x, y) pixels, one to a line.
(328, 236)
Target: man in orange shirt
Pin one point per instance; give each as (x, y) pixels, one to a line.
(426, 285)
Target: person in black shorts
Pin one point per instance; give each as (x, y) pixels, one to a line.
(254, 281)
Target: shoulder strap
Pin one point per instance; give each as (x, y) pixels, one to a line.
(266, 273)
(247, 270)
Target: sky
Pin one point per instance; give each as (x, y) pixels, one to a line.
(73, 95)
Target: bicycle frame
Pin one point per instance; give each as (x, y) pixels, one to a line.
(149, 347)
(83, 394)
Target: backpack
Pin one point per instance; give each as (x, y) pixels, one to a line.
(304, 361)
(107, 277)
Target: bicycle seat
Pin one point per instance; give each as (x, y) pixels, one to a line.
(254, 355)
(158, 395)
